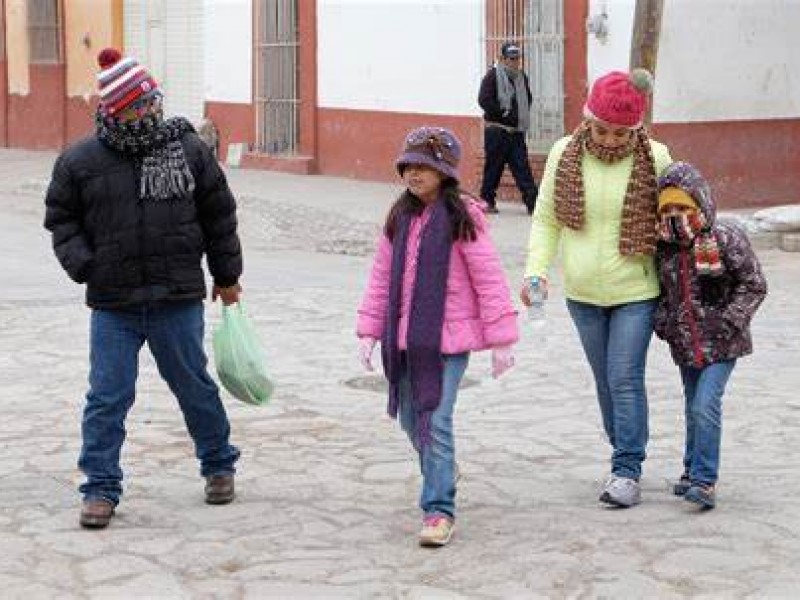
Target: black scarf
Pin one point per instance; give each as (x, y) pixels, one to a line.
(156, 143)
(423, 355)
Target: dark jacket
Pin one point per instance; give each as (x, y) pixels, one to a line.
(133, 252)
(706, 319)
(487, 98)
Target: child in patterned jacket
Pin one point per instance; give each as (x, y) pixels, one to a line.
(711, 286)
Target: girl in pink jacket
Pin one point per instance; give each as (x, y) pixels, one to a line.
(436, 292)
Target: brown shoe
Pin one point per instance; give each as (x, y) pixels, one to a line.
(96, 513)
(219, 489)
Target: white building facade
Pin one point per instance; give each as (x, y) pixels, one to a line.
(332, 86)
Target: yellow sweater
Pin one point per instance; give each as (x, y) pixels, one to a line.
(594, 270)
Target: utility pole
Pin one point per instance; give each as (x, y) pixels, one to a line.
(644, 42)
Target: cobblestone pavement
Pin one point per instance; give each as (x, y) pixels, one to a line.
(327, 486)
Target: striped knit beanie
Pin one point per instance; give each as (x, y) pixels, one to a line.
(122, 81)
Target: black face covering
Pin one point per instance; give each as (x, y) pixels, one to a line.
(675, 226)
(677, 229)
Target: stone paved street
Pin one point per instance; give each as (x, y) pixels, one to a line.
(327, 485)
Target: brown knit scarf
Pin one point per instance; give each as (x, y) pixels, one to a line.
(638, 229)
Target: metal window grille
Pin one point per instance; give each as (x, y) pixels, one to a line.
(538, 26)
(44, 31)
(277, 102)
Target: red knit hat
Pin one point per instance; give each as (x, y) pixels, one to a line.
(122, 81)
(620, 98)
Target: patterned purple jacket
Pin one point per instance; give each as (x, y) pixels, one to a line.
(706, 319)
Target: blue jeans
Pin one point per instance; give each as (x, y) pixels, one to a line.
(615, 340)
(174, 333)
(436, 459)
(703, 389)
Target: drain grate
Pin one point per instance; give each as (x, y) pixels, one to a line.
(377, 383)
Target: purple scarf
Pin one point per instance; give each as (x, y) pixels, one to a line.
(423, 355)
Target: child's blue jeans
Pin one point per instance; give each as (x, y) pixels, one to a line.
(703, 389)
(436, 459)
(174, 333)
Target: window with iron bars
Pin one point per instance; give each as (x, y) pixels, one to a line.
(44, 31)
(538, 27)
(276, 87)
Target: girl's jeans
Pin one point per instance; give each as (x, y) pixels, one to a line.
(436, 459)
(615, 340)
(703, 389)
(174, 333)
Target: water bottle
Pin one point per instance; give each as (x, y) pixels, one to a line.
(536, 315)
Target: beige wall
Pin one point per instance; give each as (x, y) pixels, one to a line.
(17, 47)
(90, 26)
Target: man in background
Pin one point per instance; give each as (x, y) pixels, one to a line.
(505, 97)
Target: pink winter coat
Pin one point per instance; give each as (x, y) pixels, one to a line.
(478, 311)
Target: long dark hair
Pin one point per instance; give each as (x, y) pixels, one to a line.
(464, 228)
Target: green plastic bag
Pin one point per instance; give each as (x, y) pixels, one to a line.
(239, 357)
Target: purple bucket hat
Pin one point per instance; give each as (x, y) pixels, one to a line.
(435, 147)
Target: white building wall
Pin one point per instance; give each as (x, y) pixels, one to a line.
(168, 38)
(729, 60)
(134, 17)
(420, 56)
(721, 60)
(229, 50)
(185, 55)
(613, 51)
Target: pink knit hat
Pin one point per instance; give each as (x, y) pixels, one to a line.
(620, 98)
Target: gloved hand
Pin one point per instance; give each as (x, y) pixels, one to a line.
(366, 345)
(502, 360)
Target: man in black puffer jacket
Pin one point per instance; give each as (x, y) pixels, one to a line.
(132, 210)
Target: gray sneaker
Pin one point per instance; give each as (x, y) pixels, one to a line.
(621, 491)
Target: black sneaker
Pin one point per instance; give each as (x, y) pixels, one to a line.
(683, 485)
(492, 210)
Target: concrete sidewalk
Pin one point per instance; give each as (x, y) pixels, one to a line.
(328, 484)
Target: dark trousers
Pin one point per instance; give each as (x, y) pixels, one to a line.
(503, 148)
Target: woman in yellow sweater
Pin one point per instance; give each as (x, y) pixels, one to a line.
(598, 201)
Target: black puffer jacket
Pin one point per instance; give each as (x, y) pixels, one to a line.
(133, 252)
(487, 98)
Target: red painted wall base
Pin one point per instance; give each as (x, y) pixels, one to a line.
(37, 120)
(364, 144)
(299, 165)
(3, 100)
(748, 163)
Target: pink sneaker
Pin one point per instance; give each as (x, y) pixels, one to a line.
(436, 531)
